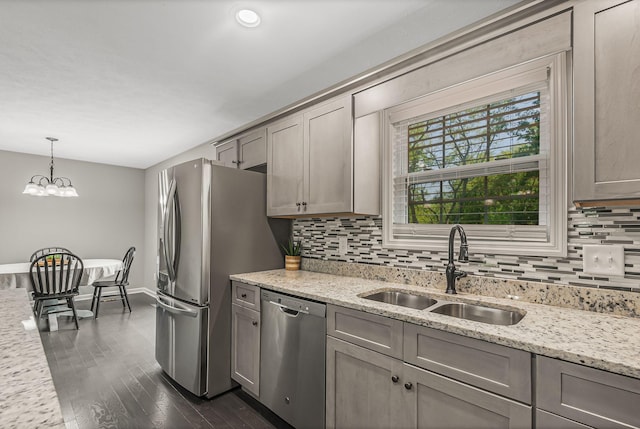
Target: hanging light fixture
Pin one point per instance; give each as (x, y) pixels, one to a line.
(43, 186)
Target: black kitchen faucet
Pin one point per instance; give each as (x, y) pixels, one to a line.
(463, 256)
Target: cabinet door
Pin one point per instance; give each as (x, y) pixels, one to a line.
(245, 349)
(442, 403)
(587, 395)
(285, 167)
(361, 392)
(607, 90)
(328, 158)
(227, 153)
(252, 149)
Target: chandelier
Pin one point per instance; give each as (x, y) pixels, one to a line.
(43, 186)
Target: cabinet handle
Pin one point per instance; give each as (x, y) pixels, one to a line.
(304, 206)
(244, 295)
(408, 385)
(298, 205)
(235, 162)
(254, 323)
(395, 378)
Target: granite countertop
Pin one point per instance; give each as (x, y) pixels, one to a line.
(28, 397)
(607, 342)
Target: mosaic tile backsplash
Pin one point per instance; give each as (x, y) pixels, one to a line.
(586, 226)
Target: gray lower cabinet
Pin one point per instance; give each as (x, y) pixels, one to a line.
(586, 395)
(606, 109)
(374, 332)
(372, 390)
(360, 390)
(498, 369)
(438, 402)
(245, 349)
(545, 420)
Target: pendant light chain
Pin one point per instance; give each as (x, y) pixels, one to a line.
(51, 139)
(42, 186)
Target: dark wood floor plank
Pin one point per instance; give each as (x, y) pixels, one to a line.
(106, 377)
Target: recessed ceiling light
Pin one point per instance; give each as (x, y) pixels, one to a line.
(248, 18)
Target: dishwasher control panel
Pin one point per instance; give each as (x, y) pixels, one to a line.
(294, 304)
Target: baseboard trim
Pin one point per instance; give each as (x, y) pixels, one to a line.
(133, 290)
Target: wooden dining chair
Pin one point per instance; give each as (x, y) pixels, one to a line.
(121, 281)
(48, 250)
(55, 276)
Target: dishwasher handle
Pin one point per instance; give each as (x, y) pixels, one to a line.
(288, 311)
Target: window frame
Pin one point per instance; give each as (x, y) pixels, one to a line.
(490, 239)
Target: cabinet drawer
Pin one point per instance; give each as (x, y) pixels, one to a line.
(374, 332)
(492, 367)
(590, 396)
(546, 420)
(246, 295)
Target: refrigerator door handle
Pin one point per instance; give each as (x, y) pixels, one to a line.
(176, 309)
(172, 242)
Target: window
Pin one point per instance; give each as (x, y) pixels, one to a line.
(487, 154)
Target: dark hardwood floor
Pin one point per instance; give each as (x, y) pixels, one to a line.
(106, 376)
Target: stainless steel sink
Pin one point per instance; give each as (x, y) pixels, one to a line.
(403, 299)
(478, 313)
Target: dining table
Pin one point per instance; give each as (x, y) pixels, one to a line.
(17, 276)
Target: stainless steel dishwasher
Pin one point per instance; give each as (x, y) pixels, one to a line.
(292, 359)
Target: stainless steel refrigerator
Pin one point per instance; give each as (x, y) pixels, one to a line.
(212, 223)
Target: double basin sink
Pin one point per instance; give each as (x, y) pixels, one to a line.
(461, 310)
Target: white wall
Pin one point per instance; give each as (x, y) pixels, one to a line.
(103, 222)
(151, 206)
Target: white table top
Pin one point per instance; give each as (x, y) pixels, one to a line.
(14, 276)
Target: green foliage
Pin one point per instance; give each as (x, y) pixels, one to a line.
(292, 248)
(503, 130)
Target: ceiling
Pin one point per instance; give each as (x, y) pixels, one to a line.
(134, 82)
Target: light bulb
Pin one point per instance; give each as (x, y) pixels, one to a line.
(248, 18)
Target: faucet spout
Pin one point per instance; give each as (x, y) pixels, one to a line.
(452, 273)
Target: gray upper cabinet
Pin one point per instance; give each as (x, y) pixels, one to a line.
(607, 112)
(245, 151)
(587, 395)
(227, 153)
(252, 149)
(285, 172)
(310, 163)
(327, 158)
(309, 168)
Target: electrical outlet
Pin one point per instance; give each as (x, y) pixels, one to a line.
(603, 259)
(342, 245)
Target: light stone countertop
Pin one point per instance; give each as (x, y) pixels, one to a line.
(28, 399)
(597, 340)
